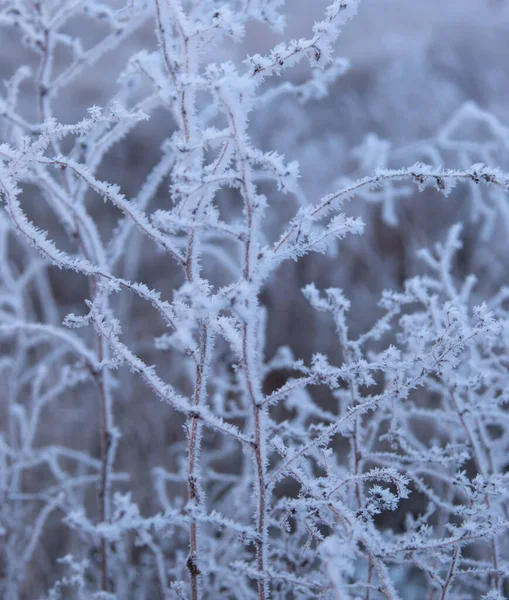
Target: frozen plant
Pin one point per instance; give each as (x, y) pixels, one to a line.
(377, 473)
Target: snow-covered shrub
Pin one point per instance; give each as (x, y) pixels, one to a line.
(371, 466)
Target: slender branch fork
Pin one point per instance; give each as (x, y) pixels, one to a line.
(338, 495)
(107, 444)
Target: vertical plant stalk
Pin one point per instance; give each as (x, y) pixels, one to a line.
(184, 112)
(193, 486)
(108, 441)
(107, 447)
(249, 344)
(107, 456)
(450, 575)
(259, 451)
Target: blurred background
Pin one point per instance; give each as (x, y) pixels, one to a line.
(429, 81)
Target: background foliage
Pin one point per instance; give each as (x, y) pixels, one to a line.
(253, 299)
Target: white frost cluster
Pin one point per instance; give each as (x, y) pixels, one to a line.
(377, 470)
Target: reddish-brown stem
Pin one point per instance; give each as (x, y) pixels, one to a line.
(105, 459)
(450, 574)
(193, 463)
(252, 384)
(369, 579)
(259, 459)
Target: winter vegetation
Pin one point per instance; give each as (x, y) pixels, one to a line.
(254, 300)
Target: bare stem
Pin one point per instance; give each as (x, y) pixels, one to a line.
(194, 495)
(107, 448)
